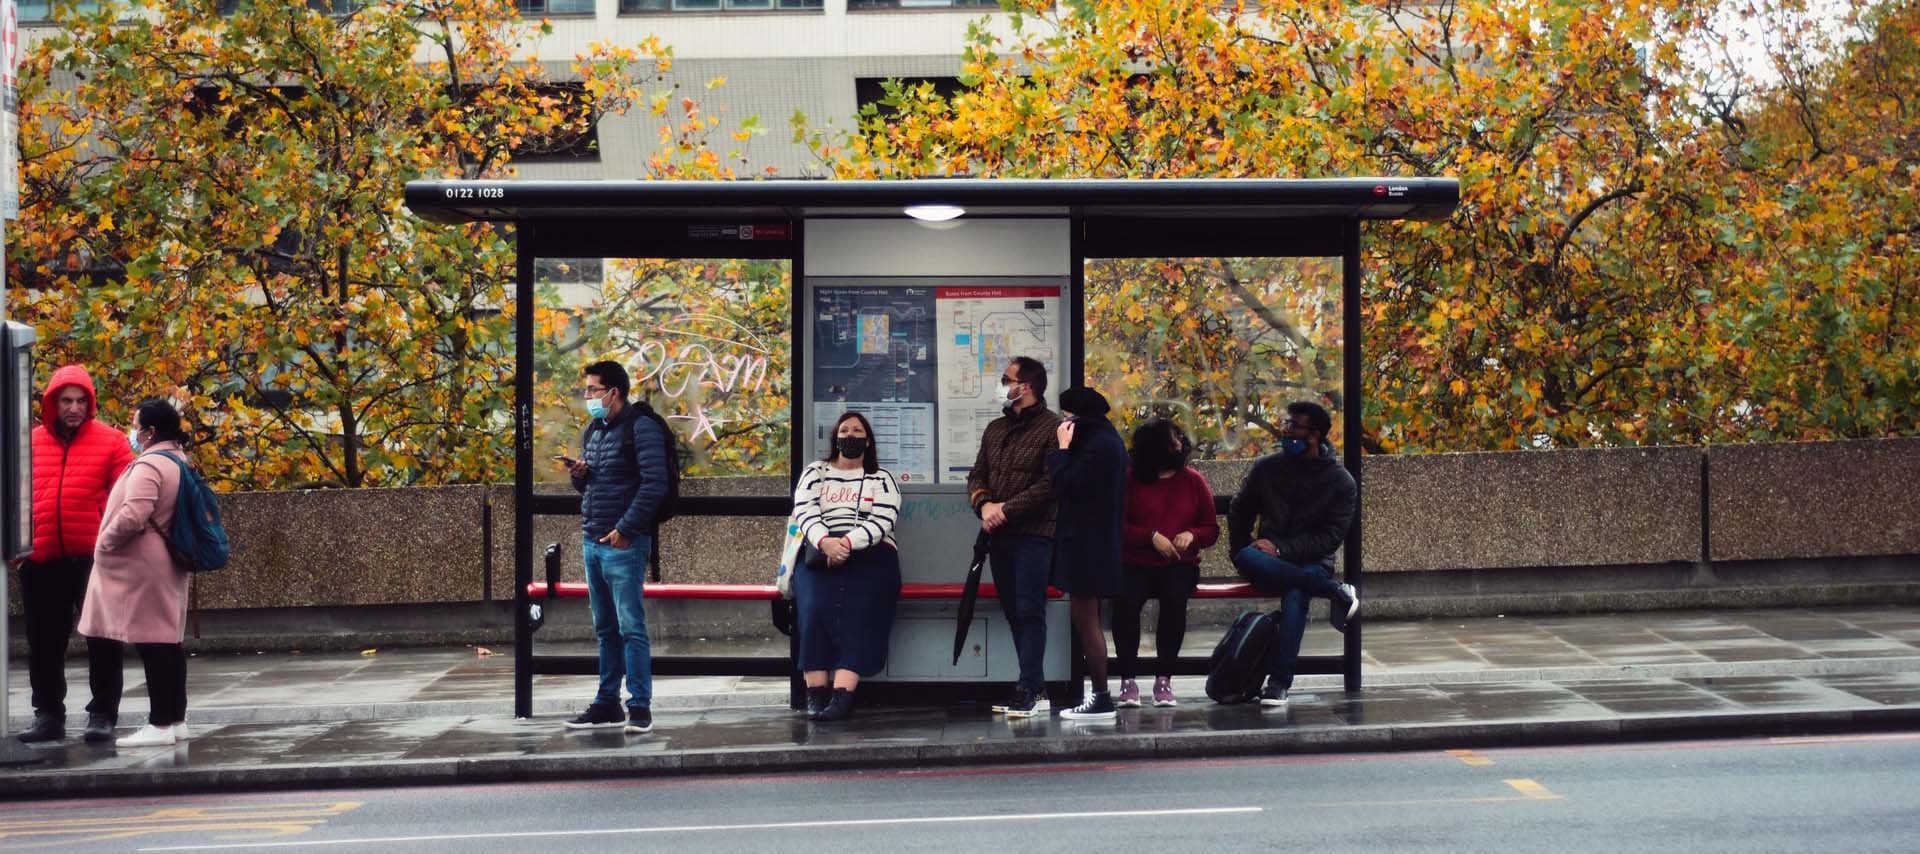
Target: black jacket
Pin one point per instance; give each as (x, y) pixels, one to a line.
(626, 478)
(1090, 481)
(1304, 506)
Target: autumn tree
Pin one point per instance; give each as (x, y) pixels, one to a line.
(1818, 222)
(1580, 296)
(705, 341)
(212, 209)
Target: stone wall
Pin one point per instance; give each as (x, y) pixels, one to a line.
(1814, 499)
(350, 547)
(1583, 511)
(1532, 508)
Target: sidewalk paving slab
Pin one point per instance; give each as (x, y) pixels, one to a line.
(441, 716)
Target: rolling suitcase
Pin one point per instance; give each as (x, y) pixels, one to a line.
(1239, 663)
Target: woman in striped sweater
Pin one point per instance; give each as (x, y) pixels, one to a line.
(847, 592)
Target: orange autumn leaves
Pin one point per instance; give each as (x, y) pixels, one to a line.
(1628, 265)
(213, 204)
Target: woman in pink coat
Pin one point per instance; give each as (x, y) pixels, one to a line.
(137, 595)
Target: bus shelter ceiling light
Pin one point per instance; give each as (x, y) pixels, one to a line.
(935, 213)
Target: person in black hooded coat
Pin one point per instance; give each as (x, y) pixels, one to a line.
(1089, 474)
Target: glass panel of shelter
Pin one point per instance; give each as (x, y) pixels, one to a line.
(1218, 345)
(706, 342)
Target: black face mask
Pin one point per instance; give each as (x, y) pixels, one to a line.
(851, 447)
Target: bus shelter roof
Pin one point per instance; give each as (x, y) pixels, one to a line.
(1382, 198)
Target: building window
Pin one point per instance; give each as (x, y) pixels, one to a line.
(871, 91)
(34, 11)
(326, 7)
(922, 4)
(569, 271)
(566, 144)
(554, 7)
(632, 6)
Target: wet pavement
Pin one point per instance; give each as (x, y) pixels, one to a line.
(443, 715)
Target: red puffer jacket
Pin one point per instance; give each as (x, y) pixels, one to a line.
(71, 478)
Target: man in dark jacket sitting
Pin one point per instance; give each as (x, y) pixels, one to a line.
(1304, 502)
(622, 478)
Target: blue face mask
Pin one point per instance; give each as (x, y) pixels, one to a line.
(596, 407)
(1293, 447)
(133, 441)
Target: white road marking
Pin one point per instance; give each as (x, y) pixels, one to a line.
(705, 828)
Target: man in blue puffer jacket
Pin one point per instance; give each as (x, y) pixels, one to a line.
(622, 478)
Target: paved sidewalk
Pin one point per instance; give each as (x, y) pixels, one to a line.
(444, 715)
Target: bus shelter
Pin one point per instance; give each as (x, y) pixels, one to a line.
(907, 300)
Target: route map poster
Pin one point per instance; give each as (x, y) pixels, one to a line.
(873, 351)
(980, 330)
(923, 364)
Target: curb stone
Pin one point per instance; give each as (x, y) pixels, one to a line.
(809, 758)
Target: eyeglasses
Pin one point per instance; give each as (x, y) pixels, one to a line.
(1007, 381)
(593, 391)
(1300, 426)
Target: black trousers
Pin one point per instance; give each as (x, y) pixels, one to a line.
(166, 666)
(50, 596)
(1173, 586)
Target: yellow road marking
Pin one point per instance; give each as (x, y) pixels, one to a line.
(1469, 757)
(1532, 790)
(254, 821)
(1528, 791)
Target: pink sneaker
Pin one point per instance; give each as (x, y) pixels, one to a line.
(1129, 696)
(1163, 691)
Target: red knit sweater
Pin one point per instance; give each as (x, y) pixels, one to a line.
(1171, 505)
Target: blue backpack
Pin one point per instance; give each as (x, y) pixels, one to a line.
(198, 542)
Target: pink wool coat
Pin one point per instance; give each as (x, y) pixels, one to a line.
(136, 594)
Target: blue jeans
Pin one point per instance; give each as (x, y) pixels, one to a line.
(1296, 584)
(616, 582)
(1022, 566)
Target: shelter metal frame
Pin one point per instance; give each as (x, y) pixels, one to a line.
(1109, 218)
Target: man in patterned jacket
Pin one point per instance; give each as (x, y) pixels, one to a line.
(1009, 489)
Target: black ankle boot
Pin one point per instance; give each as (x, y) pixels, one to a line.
(817, 699)
(839, 708)
(45, 728)
(99, 727)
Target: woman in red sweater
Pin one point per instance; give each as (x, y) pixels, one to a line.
(1169, 519)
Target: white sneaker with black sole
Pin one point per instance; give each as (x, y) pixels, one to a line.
(1341, 617)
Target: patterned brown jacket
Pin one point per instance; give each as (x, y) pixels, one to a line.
(1011, 466)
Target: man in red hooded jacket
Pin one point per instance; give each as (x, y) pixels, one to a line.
(76, 459)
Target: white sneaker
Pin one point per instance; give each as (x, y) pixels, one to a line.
(180, 732)
(149, 736)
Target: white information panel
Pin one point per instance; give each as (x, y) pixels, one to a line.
(981, 329)
(922, 360)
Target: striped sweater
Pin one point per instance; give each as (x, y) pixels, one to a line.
(862, 506)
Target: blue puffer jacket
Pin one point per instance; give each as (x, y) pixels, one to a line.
(626, 478)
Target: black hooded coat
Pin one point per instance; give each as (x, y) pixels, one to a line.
(1090, 482)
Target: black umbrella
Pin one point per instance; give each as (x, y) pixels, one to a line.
(969, 594)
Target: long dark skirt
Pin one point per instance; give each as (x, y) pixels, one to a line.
(846, 612)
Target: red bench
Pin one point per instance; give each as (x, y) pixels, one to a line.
(767, 592)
